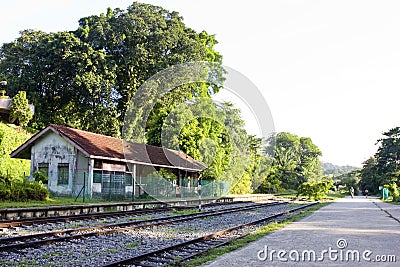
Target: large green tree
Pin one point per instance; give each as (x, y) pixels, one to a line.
(295, 160)
(88, 77)
(143, 40)
(369, 176)
(67, 80)
(388, 156)
(384, 167)
(310, 166)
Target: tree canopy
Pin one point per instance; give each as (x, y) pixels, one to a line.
(20, 110)
(384, 167)
(295, 160)
(87, 77)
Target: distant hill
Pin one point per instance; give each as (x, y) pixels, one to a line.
(330, 168)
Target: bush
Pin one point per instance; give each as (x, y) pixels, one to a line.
(394, 191)
(40, 177)
(315, 190)
(11, 139)
(20, 109)
(24, 190)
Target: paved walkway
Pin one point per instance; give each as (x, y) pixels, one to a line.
(349, 232)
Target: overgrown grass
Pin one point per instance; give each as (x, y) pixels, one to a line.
(261, 232)
(293, 195)
(132, 245)
(52, 201)
(64, 200)
(57, 201)
(141, 218)
(185, 212)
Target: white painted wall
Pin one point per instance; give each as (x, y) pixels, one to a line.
(53, 149)
(81, 172)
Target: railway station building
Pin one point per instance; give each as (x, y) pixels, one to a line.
(80, 162)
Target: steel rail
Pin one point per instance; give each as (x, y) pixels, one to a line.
(166, 256)
(76, 217)
(64, 235)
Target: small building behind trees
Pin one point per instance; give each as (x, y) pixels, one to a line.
(22, 110)
(77, 161)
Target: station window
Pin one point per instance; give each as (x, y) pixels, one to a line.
(128, 178)
(98, 164)
(63, 173)
(97, 175)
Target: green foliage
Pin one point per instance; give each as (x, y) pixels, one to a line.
(20, 110)
(384, 167)
(263, 178)
(11, 139)
(86, 78)
(296, 160)
(209, 133)
(243, 185)
(270, 182)
(350, 179)
(315, 190)
(67, 80)
(22, 190)
(132, 245)
(13, 185)
(369, 179)
(39, 176)
(186, 212)
(394, 191)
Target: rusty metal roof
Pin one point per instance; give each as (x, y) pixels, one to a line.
(105, 147)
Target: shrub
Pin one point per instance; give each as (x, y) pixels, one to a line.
(40, 177)
(24, 190)
(20, 109)
(11, 139)
(5, 193)
(315, 190)
(394, 191)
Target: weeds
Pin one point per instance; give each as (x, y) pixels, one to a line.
(132, 245)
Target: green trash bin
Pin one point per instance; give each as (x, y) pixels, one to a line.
(385, 193)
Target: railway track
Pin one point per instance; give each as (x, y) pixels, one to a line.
(69, 218)
(35, 240)
(179, 253)
(76, 217)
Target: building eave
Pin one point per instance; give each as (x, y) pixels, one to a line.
(144, 163)
(20, 151)
(127, 153)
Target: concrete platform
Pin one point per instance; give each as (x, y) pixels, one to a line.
(349, 232)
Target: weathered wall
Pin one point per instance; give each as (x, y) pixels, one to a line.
(81, 172)
(53, 149)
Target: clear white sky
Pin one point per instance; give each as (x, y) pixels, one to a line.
(329, 70)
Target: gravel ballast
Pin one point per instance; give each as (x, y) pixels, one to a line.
(98, 250)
